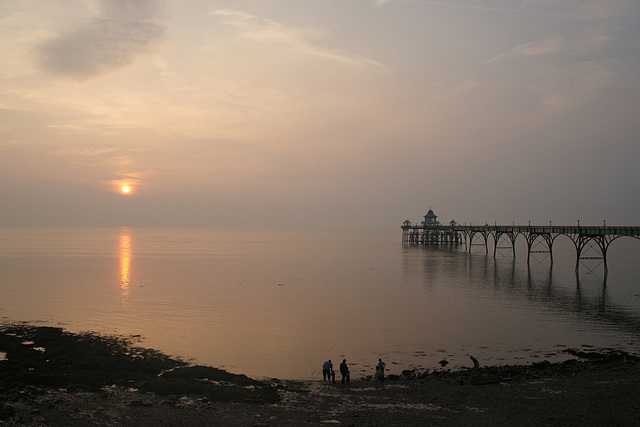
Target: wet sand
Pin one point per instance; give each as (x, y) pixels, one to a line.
(52, 377)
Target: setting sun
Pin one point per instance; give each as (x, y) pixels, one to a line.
(126, 189)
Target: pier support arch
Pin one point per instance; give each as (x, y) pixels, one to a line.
(533, 238)
(484, 235)
(600, 243)
(496, 241)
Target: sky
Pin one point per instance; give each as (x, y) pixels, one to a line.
(332, 113)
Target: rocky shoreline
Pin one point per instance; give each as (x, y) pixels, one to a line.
(52, 377)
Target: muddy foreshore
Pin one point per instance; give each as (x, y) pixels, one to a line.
(52, 377)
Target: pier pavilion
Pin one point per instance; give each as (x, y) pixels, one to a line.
(539, 238)
(431, 232)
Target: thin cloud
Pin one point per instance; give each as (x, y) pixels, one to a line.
(123, 30)
(378, 3)
(544, 46)
(81, 152)
(583, 43)
(264, 30)
(484, 7)
(121, 165)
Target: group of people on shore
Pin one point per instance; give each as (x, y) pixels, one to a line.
(329, 375)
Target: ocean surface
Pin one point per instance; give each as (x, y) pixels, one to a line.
(279, 302)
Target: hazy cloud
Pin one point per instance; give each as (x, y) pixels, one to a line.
(118, 165)
(320, 113)
(122, 31)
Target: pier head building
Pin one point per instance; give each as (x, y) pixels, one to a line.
(430, 231)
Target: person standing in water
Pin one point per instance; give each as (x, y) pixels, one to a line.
(344, 370)
(378, 377)
(327, 367)
(476, 364)
(380, 370)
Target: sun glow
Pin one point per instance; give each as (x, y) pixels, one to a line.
(125, 189)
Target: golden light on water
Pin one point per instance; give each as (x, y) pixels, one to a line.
(125, 265)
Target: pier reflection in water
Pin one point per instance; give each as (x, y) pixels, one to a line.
(565, 307)
(280, 302)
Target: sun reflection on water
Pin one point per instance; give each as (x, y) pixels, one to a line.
(125, 265)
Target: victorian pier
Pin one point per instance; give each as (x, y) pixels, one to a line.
(591, 242)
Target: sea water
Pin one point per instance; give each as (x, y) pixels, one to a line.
(279, 302)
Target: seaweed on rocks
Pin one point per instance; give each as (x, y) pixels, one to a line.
(52, 357)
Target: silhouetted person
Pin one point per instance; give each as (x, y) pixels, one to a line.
(344, 370)
(381, 366)
(476, 364)
(333, 376)
(327, 367)
(379, 376)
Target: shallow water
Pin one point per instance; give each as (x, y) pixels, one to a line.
(277, 303)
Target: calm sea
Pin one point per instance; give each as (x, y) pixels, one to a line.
(279, 302)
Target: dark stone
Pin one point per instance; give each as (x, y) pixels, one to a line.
(6, 412)
(484, 380)
(139, 403)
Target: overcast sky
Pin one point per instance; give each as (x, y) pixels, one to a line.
(332, 113)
